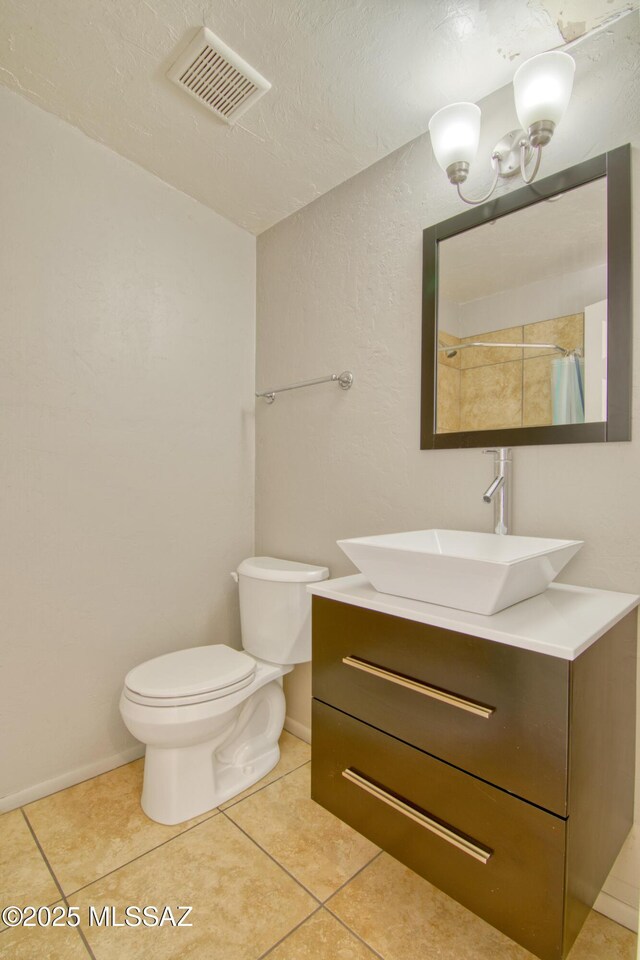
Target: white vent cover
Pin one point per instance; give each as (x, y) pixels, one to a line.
(217, 77)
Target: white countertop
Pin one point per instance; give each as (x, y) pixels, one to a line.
(561, 622)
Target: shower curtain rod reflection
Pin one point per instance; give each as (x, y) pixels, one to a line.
(451, 350)
(344, 379)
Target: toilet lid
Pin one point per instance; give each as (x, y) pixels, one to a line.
(189, 673)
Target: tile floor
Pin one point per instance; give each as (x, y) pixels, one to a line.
(270, 874)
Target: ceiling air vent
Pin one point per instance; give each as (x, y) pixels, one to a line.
(217, 77)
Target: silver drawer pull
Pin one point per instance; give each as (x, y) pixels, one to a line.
(479, 709)
(459, 840)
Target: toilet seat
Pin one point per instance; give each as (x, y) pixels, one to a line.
(195, 675)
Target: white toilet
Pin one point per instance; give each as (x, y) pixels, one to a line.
(211, 717)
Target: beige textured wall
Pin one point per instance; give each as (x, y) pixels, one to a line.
(339, 286)
(126, 440)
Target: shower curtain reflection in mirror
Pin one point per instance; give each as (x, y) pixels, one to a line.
(568, 389)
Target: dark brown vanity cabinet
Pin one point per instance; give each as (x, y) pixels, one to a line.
(503, 776)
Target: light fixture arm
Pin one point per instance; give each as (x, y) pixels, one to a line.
(495, 163)
(523, 163)
(510, 156)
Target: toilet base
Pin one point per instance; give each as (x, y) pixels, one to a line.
(166, 806)
(184, 782)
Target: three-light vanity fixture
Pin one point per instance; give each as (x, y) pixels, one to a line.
(542, 88)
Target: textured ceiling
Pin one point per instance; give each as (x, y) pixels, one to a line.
(352, 81)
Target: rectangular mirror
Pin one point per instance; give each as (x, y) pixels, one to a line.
(527, 314)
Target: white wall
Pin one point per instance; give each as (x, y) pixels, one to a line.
(541, 300)
(339, 286)
(529, 303)
(127, 317)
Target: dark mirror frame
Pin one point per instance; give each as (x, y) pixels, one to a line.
(616, 167)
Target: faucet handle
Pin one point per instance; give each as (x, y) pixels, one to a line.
(500, 453)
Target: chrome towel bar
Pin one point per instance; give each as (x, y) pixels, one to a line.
(344, 379)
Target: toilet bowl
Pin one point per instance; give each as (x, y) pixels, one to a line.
(211, 716)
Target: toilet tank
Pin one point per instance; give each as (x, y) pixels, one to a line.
(275, 608)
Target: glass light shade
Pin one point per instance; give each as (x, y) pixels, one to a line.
(455, 133)
(542, 87)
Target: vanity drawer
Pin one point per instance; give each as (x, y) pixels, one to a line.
(499, 856)
(496, 711)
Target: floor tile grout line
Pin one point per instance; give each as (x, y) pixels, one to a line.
(347, 882)
(271, 857)
(215, 811)
(84, 940)
(176, 836)
(321, 905)
(352, 932)
(288, 872)
(323, 909)
(228, 805)
(157, 846)
(42, 853)
(55, 879)
(52, 904)
(287, 935)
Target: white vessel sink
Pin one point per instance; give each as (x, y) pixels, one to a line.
(479, 572)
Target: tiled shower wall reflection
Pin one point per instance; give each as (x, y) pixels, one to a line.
(483, 388)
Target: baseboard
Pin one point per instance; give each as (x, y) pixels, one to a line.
(298, 729)
(623, 913)
(11, 801)
(620, 893)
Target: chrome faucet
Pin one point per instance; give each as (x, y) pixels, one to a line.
(500, 490)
